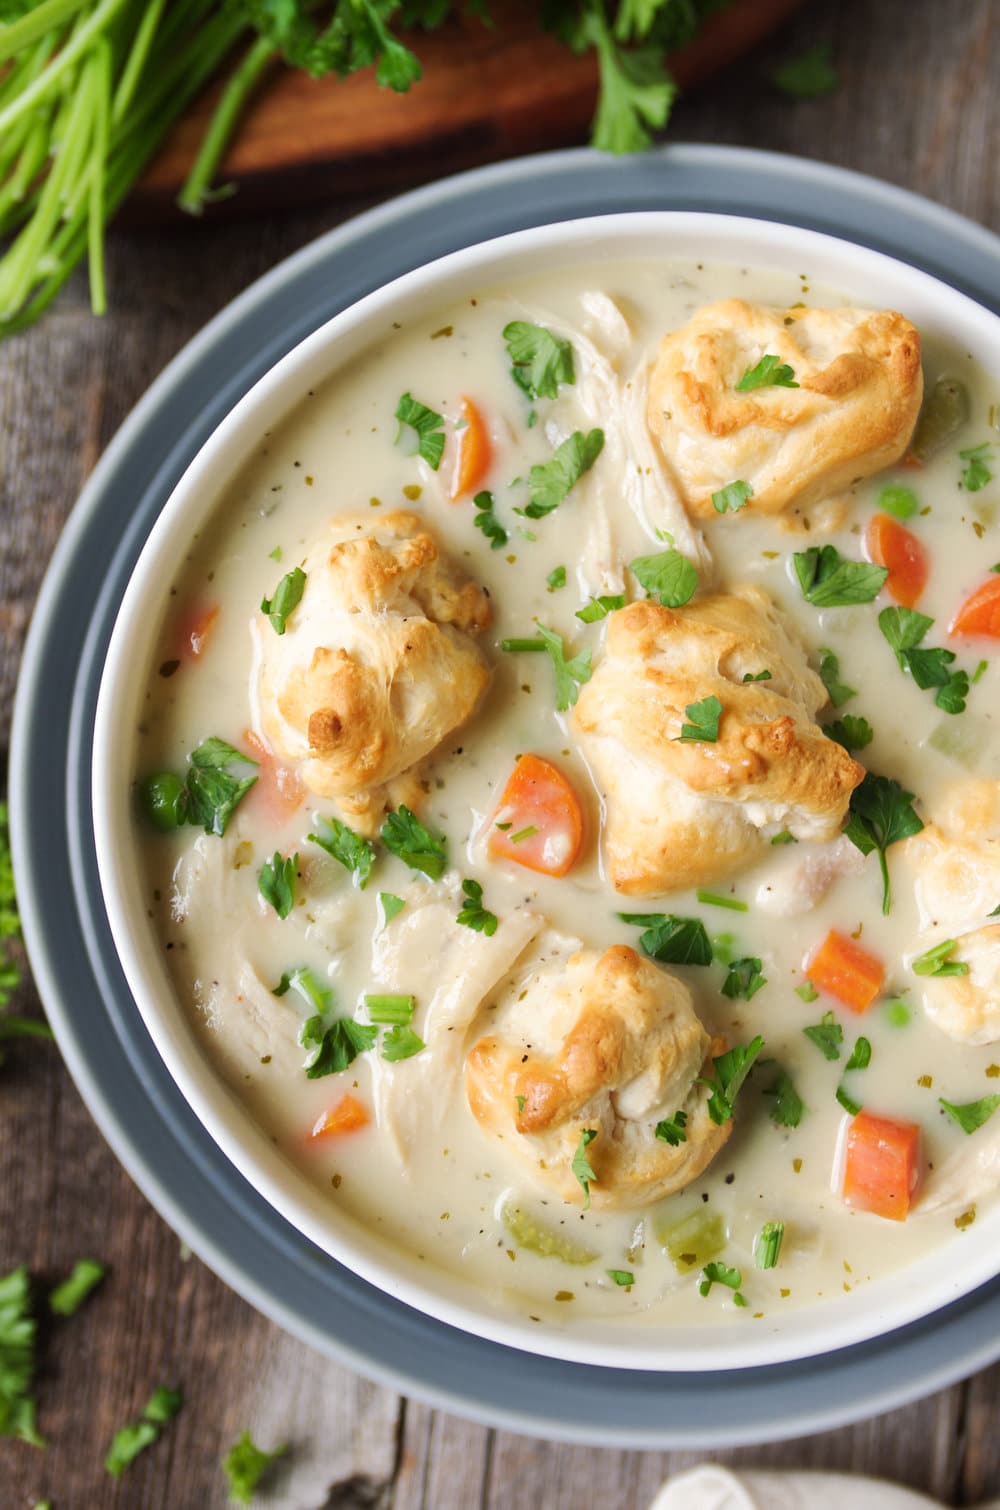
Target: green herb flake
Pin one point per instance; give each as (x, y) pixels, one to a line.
(668, 578)
(733, 497)
(275, 555)
(744, 979)
(881, 814)
(972, 1114)
(671, 940)
(427, 425)
(719, 1274)
(307, 985)
(540, 360)
(400, 1043)
(850, 732)
(848, 1102)
(756, 676)
(712, 899)
(731, 1069)
(787, 1105)
(485, 519)
(473, 914)
(904, 629)
(556, 578)
(571, 672)
(245, 1464)
(829, 670)
(861, 1056)
(17, 1359)
(391, 906)
(333, 1048)
(827, 1034)
(770, 372)
(286, 598)
(550, 482)
(581, 1164)
(276, 883)
(127, 1443)
(213, 787)
(406, 837)
(704, 721)
(621, 1277)
(976, 474)
(784, 838)
(67, 1298)
(671, 1129)
(600, 607)
(523, 833)
(810, 76)
(348, 848)
(767, 1248)
(938, 961)
(829, 580)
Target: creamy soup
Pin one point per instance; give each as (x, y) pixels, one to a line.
(765, 1225)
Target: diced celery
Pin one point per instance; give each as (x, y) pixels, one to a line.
(961, 739)
(945, 410)
(537, 1238)
(692, 1241)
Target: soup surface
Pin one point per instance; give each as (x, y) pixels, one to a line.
(404, 1155)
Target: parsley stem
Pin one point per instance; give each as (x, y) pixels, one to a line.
(36, 24)
(100, 68)
(711, 899)
(522, 647)
(97, 22)
(196, 188)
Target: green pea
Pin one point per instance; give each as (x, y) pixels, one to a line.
(164, 800)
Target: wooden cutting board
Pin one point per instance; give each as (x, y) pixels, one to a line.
(485, 94)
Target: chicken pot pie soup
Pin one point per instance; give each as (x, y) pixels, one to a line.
(569, 789)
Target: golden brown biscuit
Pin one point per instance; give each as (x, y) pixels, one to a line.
(859, 393)
(681, 813)
(376, 665)
(603, 1042)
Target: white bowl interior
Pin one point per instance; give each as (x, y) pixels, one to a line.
(869, 277)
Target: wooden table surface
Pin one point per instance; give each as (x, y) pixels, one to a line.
(919, 105)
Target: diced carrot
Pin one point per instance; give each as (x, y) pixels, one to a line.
(344, 1116)
(193, 630)
(475, 452)
(891, 544)
(541, 818)
(980, 613)
(277, 789)
(882, 1165)
(844, 970)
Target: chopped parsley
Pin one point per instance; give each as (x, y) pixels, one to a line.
(600, 607)
(348, 848)
(938, 961)
(213, 787)
(716, 1273)
(67, 1298)
(743, 979)
(391, 906)
(861, 1056)
(972, 1114)
(851, 732)
(847, 1101)
(829, 670)
(581, 1164)
(127, 1443)
(904, 629)
(332, 1048)
(786, 1103)
(391, 1011)
(731, 1069)
(810, 76)
(770, 372)
(711, 899)
(276, 882)
(307, 985)
(827, 1035)
(406, 837)
(473, 914)
(556, 578)
(668, 578)
(245, 1464)
(671, 1129)
(732, 498)
(881, 813)
(768, 1245)
(704, 721)
(400, 1043)
(976, 474)
(899, 501)
(485, 519)
(571, 673)
(426, 424)
(550, 482)
(756, 676)
(528, 832)
(807, 991)
(540, 360)
(829, 580)
(671, 940)
(621, 1277)
(17, 1359)
(287, 597)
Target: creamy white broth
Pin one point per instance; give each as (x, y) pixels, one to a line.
(337, 453)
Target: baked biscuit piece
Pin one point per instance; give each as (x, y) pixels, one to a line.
(376, 665)
(860, 387)
(603, 1042)
(957, 865)
(683, 813)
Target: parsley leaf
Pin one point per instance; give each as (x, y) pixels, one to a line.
(473, 914)
(770, 372)
(732, 497)
(570, 674)
(671, 940)
(336, 1046)
(786, 1103)
(810, 76)
(827, 1035)
(599, 608)
(731, 1069)
(391, 905)
(847, 1101)
(976, 474)
(829, 670)
(307, 985)
(407, 838)
(671, 1129)
(744, 979)
(721, 1274)
(635, 93)
(581, 1164)
(541, 360)
(287, 597)
(938, 961)
(881, 813)
(550, 482)
(67, 1298)
(668, 577)
(400, 1042)
(485, 519)
(768, 1245)
(620, 1276)
(704, 725)
(127, 1443)
(17, 1359)
(348, 848)
(213, 788)
(245, 1465)
(904, 629)
(861, 1056)
(829, 580)
(850, 732)
(276, 883)
(556, 578)
(756, 676)
(428, 425)
(972, 1114)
